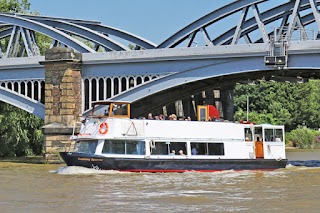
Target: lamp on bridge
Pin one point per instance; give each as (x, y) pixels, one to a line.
(275, 60)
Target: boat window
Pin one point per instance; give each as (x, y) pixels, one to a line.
(124, 147)
(216, 148)
(207, 148)
(269, 134)
(273, 135)
(101, 110)
(258, 134)
(247, 134)
(120, 109)
(279, 135)
(86, 146)
(168, 148)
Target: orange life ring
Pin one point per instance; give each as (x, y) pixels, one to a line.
(103, 128)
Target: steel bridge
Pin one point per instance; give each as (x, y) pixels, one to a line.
(241, 42)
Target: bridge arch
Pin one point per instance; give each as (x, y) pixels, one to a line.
(22, 102)
(63, 32)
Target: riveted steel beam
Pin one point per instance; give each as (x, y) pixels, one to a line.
(210, 18)
(22, 102)
(50, 31)
(86, 33)
(124, 35)
(280, 12)
(98, 27)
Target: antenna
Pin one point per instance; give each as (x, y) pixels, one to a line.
(247, 108)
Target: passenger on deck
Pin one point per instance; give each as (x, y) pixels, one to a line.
(181, 152)
(162, 117)
(172, 117)
(150, 117)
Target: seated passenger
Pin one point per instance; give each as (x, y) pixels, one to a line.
(194, 151)
(150, 117)
(181, 152)
(173, 152)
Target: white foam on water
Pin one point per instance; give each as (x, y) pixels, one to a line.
(78, 170)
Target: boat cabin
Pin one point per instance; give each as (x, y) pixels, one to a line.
(103, 133)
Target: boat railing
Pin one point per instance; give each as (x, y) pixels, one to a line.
(75, 126)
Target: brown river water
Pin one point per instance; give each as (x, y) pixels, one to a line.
(58, 188)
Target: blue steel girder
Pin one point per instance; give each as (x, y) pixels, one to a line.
(5, 33)
(21, 68)
(96, 26)
(280, 12)
(122, 34)
(22, 102)
(87, 34)
(206, 20)
(47, 30)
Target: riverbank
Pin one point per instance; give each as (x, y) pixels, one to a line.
(293, 149)
(25, 159)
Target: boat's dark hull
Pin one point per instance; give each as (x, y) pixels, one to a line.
(168, 165)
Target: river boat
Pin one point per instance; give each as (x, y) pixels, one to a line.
(110, 140)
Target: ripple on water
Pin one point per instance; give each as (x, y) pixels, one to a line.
(307, 163)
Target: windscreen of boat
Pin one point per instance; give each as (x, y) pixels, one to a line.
(86, 147)
(101, 110)
(275, 135)
(120, 109)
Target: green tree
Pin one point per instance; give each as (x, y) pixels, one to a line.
(14, 6)
(20, 132)
(304, 138)
(291, 104)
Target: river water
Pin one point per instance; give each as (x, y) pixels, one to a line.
(58, 188)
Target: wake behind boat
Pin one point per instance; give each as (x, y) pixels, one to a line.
(110, 140)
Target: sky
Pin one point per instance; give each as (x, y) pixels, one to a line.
(154, 20)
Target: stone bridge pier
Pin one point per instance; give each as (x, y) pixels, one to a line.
(62, 100)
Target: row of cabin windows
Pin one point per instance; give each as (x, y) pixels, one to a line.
(270, 135)
(157, 148)
(166, 148)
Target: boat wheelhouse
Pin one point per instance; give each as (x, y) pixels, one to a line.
(110, 140)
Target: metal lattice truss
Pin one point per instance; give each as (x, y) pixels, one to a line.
(83, 36)
(245, 21)
(251, 25)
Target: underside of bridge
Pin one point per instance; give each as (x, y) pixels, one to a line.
(223, 84)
